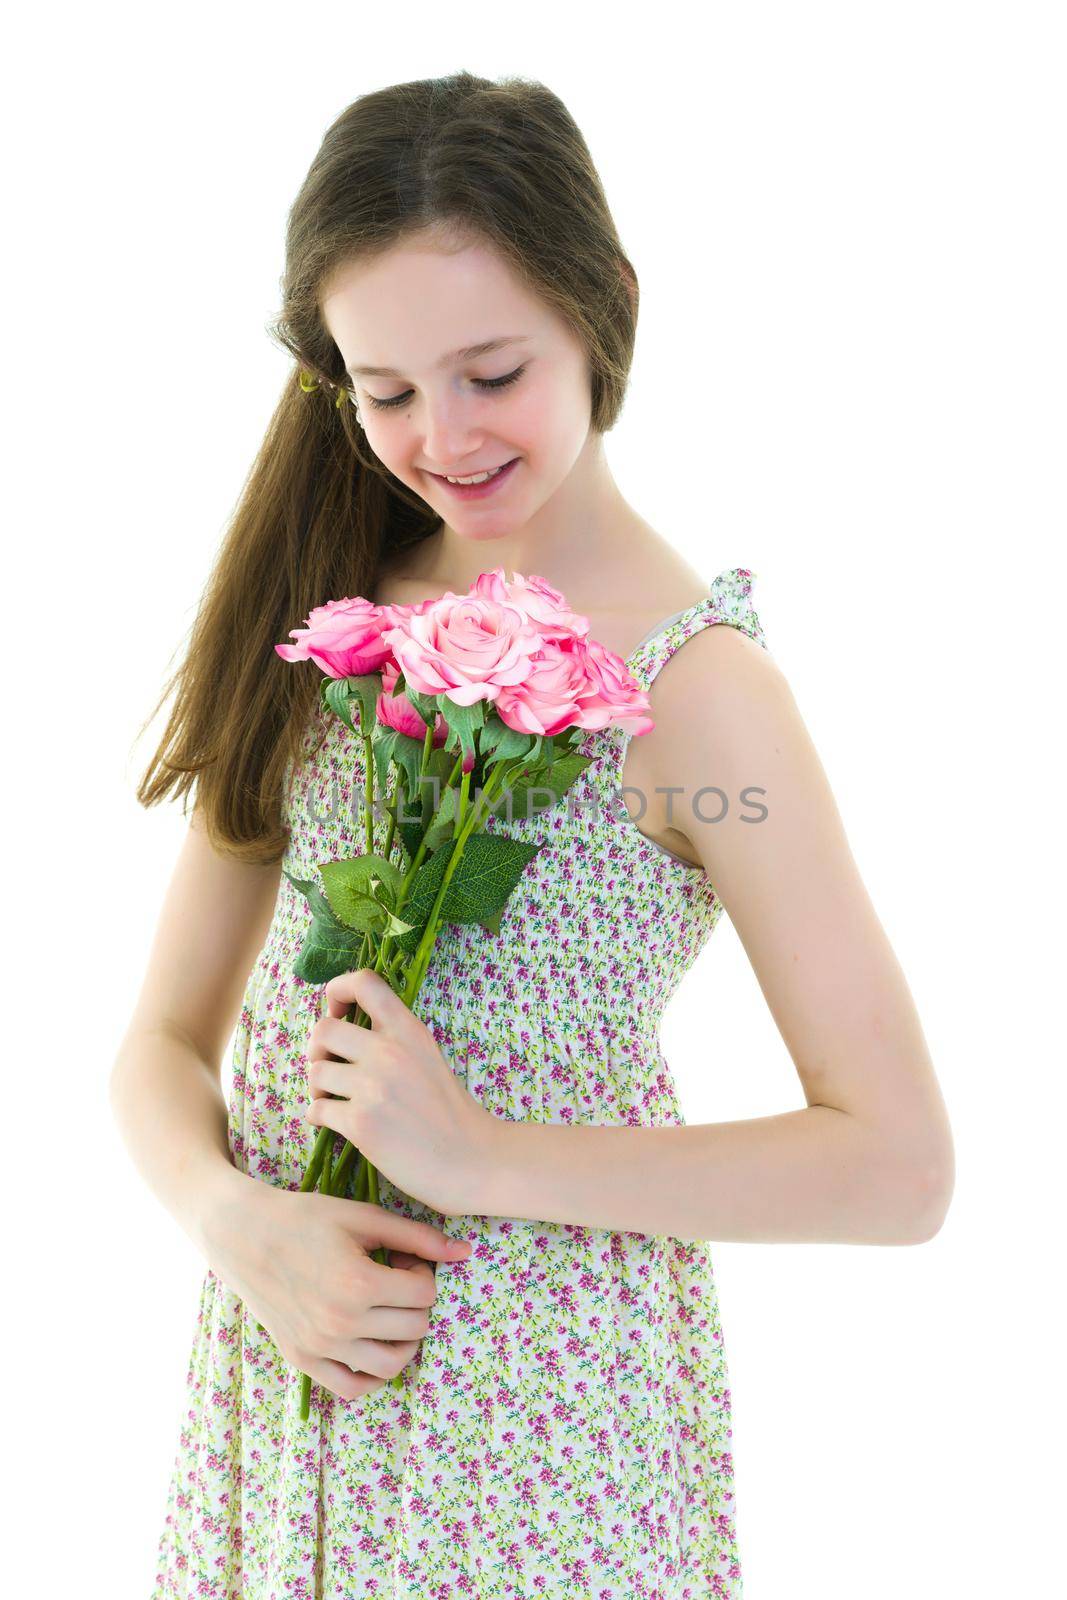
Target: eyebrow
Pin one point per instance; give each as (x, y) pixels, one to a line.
(468, 353)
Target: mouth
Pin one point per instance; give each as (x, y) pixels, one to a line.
(482, 489)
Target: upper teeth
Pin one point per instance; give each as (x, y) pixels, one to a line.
(478, 477)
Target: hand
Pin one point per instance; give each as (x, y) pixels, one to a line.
(301, 1262)
(403, 1106)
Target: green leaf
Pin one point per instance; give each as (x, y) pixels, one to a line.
(498, 742)
(492, 924)
(439, 764)
(306, 887)
(421, 895)
(360, 889)
(427, 705)
(336, 698)
(320, 906)
(410, 834)
(439, 770)
(443, 819)
(530, 797)
(488, 871)
(383, 744)
(326, 952)
(541, 752)
(565, 771)
(329, 946)
(463, 723)
(407, 754)
(340, 694)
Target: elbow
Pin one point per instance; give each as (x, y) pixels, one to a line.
(930, 1196)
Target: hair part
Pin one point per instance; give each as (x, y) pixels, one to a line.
(460, 159)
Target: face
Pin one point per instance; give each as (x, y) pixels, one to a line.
(435, 411)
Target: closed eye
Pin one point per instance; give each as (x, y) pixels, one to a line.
(483, 383)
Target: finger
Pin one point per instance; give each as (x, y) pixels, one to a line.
(393, 1288)
(343, 1113)
(382, 1358)
(400, 1322)
(333, 1036)
(342, 990)
(336, 1004)
(333, 1077)
(340, 1379)
(400, 1287)
(406, 1262)
(375, 1225)
(373, 995)
(391, 1323)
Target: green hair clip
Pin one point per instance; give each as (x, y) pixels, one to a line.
(309, 383)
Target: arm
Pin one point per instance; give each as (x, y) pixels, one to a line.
(300, 1262)
(165, 1085)
(869, 1160)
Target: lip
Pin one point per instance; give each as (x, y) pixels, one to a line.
(478, 491)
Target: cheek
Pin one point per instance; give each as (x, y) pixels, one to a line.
(527, 420)
(393, 446)
(549, 423)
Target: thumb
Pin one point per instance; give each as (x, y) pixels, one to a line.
(378, 1226)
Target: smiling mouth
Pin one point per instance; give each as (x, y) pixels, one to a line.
(464, 479)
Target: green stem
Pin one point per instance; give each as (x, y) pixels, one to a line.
(419, 856)
(400, 800)
(361, 1180)
(464, 792)
(343, 1167)
(366, 1182)
(421, 958)
(368, 789)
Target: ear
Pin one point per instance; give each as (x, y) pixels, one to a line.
(629, 278)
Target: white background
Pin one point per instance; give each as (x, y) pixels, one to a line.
(848, 225)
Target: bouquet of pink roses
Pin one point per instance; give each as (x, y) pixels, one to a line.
(481, 697)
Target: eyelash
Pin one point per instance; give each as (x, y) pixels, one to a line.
(485, 383)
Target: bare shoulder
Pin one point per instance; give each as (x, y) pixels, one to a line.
(725, 717)
(714, 682)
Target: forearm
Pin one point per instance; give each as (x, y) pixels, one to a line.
(812, 1175)
(172, 1116)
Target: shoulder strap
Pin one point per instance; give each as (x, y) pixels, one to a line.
(729, 601)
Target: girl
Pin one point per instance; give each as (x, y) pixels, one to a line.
(458, 304)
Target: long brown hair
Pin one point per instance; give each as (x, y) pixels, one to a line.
(497, 162)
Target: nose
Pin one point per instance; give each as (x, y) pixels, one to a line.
(449, 436)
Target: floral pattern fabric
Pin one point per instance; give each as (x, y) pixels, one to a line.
(563, 1432)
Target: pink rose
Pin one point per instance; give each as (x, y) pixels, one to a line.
(343, 637)
(396, 710)
(464, 647)
(546, 608)
(551, 696)
(613, 693)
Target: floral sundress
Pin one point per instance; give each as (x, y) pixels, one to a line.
(563, 1432)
